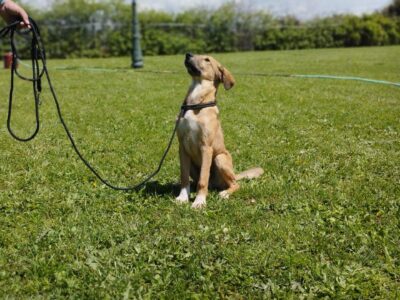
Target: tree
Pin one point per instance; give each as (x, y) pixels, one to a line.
(393, 10)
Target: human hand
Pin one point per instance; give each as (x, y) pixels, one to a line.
(12, 12)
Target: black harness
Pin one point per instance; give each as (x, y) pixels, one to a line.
(186, 107)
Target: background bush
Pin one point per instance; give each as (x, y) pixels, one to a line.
(84, 28)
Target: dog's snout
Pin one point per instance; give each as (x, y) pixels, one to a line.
(189, 55)
(190, 64)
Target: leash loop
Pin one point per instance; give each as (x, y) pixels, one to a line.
(36, 78)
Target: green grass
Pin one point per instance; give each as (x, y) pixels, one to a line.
(323, 222)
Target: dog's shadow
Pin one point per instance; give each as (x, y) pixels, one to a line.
(155, 188)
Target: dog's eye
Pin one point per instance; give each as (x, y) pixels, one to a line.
(207, 59)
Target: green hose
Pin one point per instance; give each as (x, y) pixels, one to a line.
(347, 78)
(311, 76)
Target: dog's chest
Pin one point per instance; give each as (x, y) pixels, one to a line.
(197, 91)
(189, 128)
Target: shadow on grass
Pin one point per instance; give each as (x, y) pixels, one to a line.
(156, 188)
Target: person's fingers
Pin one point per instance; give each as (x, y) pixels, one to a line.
(12, 12)
(24, 17)
(21, 13)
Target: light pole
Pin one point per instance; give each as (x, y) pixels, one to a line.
(137, 57)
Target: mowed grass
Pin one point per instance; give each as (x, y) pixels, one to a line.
(323, 221)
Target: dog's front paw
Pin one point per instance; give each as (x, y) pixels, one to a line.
(224, 194)
(199, 202)
(182, 199)
(183, 196)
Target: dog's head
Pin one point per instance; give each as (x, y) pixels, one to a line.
(205, 67)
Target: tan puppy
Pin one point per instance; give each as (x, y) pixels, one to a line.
(202, 151)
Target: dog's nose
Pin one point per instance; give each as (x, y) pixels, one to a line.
(189, 55)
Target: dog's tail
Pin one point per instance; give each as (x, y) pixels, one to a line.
(250, 174)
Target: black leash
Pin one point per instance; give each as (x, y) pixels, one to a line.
(36, 80)
(38, 55)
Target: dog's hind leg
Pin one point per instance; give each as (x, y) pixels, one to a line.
(185, 176)
(224, 166)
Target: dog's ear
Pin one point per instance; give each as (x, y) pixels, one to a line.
(226, 78)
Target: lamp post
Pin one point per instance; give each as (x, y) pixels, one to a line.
(137, 57)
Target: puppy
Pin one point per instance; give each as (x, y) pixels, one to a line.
(202, 152)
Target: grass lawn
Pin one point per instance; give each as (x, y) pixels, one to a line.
(323, 221)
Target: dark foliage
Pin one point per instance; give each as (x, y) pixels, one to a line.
(82, 28)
